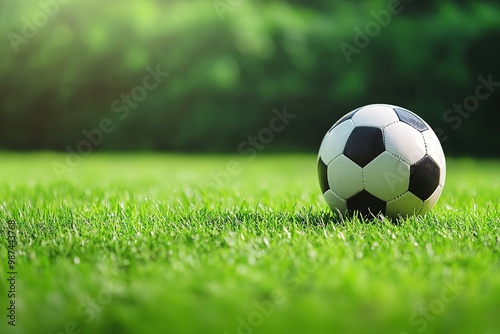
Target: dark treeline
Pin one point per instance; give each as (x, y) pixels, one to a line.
(203, 76)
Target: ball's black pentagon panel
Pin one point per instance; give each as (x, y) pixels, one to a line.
(323, 176)
(344, 118)
(366, 204)
(411, 119)
(424, 178)
(364, 144)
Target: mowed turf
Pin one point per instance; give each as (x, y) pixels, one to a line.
(145, 243)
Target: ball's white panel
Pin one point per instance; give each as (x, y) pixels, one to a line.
(431, 201)
(345, 177)
(406, 205)
(336, 203)
(377, 115)
(387, 177)
(442, 176)
(334, 142)
(405, 142)
(435, 151)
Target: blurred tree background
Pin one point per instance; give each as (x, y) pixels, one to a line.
(231, 62)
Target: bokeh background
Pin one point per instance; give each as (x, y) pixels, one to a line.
(232, 62)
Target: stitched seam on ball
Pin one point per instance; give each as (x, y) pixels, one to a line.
(385, 127)
(398, 197)
(406, 163)
(333, 192)
(363, 177)
(425, 143)
(420, 160)
(400, 158)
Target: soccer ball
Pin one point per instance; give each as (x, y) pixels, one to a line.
(381, 159)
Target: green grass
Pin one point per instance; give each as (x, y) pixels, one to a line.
(146, 244)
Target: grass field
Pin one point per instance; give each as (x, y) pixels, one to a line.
(148, 244)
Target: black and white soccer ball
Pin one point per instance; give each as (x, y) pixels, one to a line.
(381, 159)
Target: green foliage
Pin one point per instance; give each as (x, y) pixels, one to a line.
(231, 65)
(146, 244)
